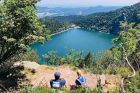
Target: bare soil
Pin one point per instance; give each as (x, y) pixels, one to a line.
(44, 74)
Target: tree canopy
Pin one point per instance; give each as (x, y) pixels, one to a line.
(19, 27)
(54, 26)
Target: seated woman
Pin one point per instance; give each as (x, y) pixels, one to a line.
(57, 83)
(81, 80)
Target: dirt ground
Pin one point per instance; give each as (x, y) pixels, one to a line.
(44, 74)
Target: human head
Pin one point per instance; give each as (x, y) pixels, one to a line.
(79, 72)
(57, 75)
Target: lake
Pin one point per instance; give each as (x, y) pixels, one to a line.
(78, 39)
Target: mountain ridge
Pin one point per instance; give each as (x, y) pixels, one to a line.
(60, 11)
(110, 22)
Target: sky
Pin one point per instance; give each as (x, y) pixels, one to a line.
(85, 3)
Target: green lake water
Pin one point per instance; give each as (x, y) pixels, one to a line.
(78, 39)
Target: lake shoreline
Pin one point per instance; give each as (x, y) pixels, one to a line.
(77, 39)
(76, 27)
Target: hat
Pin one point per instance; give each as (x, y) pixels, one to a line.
(57, 74)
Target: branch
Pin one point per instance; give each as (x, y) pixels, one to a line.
(2, 49)
(133, 74)
(1, 86)
(122, 86)
(126, 58)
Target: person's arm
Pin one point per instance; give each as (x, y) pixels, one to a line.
(63, 82)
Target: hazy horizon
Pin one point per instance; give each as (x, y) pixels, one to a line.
(85, 3)
(77, 6)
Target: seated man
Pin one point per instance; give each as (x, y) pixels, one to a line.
(57, 83)
(80, 81)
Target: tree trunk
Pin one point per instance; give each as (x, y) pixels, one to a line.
(133, 73)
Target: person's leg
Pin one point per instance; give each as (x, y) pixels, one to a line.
(72, 87)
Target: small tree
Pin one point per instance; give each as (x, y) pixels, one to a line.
(19, 27)
(127, 45)
(88, 59)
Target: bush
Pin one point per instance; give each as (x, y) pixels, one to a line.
(29, 55)
(123, 71)
(133, 85)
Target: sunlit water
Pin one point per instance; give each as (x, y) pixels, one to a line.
(78, 39)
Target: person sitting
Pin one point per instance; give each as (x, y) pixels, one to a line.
(57, 83)
(81, 80)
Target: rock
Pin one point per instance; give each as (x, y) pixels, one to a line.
(30, 65)
(27, 65)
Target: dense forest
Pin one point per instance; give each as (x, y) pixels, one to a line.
(109, 22)
(69, 19)
(20, 27)
(54, 26)
(105, 22)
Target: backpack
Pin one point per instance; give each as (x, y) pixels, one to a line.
(82, 80)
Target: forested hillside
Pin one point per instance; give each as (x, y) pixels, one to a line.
(110, 22)
(69, 19)
(20, 27)
(54, 26)
(105, 22)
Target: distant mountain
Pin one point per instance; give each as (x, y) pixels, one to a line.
(110, 22)
(58, 11)
(68, 19)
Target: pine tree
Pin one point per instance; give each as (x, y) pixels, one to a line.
(88, 59)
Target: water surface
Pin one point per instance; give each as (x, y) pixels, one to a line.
(78, 39)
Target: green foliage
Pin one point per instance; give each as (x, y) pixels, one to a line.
(123, 71)
(105, 61)
(52, 58)
(88, 59)
(129, 47)
(127, 44)
(69, 19)
(133, 85)
(111, 61)
(73, 58)
(19, 27)
(54, 26)
(29, 89)
(29, 55)
(110, 22)
(129, 40)
(77, 59)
